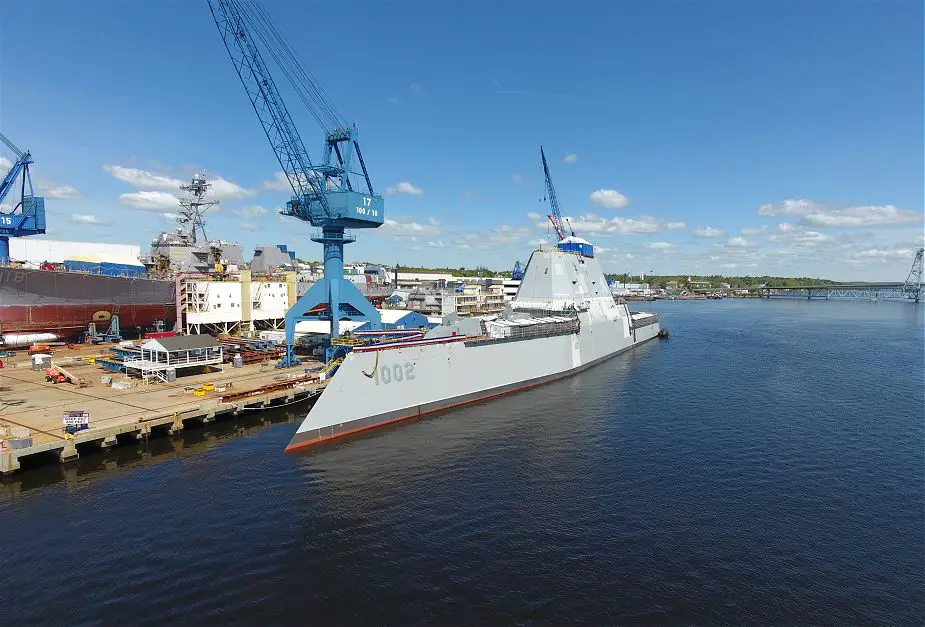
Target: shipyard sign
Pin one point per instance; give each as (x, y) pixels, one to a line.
(76, 419)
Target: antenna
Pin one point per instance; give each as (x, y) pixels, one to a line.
(194, 207)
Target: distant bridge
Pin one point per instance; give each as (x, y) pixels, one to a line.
(912, 289)
(865, 291)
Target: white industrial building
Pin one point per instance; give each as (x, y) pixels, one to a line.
(34, 252)
(237, 306)
(631, 289)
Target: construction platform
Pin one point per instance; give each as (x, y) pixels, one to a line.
(28, 401)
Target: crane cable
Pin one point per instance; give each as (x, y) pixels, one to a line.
(305, 85)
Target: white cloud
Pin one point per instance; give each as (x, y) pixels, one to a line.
(660, 245)
(798, 236)
(150, 201)
(280, 183)
(737, 242)
(819, 215)
(753, 231)
(395, 227)
(534, 216)
(417, 89)
(435, 244)
(877, 253)
(676, 226)
(517, 178)
(728, 266)
(872, 215)
(5, 163)
(84, 218)
(506, 234)
(609, 199)
(60, 192)
(251, 226)
(142, 178)
(223, 189)
(251, 212)
(592, 223)
(170, 217)
(789, 208)
(537, 242)
(502, 237)
(155, 187)
(571, 158)
(706, 231)
(404, 187)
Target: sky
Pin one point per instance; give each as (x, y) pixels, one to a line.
(683, 136)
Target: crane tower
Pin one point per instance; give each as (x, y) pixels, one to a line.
(328, 194)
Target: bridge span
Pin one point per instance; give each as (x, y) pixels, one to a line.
(911, 290)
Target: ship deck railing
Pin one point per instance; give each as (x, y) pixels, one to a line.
(640, 319)
(530, 328)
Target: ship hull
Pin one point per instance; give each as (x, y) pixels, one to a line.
(413, 381)
(64, 303)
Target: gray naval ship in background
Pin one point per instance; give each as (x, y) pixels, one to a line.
(562, 320)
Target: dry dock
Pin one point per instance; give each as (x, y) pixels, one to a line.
(27, 401)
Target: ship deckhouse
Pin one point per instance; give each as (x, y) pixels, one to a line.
(574, 244)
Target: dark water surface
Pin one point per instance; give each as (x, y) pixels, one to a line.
(763, 466)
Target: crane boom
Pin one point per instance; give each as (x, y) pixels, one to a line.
(556, 216)
(22, 163)
(272, 113)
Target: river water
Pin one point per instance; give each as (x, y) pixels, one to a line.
(762, 466)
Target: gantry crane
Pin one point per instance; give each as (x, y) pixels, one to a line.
(324, 194)
(27, 216)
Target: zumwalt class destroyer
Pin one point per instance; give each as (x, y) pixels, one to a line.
(562, 320)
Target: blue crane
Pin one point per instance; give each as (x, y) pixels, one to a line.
(556, 216)
(569, 243)
(518, 272)
(28, 214)
(324, 193)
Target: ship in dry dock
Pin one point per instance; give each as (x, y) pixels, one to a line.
(54, 289)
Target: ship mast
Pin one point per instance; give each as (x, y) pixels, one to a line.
(194, 207)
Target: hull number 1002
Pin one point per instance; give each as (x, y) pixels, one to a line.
(397, 372)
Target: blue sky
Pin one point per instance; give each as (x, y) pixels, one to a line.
(683, 136)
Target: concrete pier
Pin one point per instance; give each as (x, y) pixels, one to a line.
(27, 400)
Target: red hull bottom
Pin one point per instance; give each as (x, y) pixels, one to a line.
(67, 320)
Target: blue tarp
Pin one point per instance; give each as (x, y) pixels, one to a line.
(105, 267)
